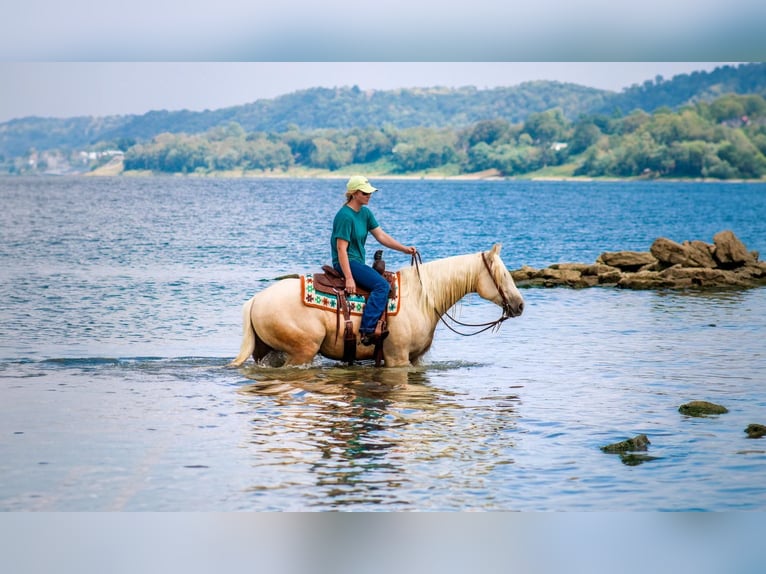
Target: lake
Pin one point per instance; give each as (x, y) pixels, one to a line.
(121, 304)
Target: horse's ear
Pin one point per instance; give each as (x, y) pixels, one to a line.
(496, 248)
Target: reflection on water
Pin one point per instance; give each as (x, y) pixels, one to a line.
(368, 435)
(317, 378)
(634, 459)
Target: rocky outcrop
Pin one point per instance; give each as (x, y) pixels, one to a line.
(726, 263)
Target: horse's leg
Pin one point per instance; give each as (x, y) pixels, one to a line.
(409, 339)
(261, 349)
(299, 345)
(298, 337)
(402, 357)
(301, 356)
(395, 355)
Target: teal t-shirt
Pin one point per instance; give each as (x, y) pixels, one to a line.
(352, 226)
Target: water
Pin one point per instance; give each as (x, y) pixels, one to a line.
(121, 307)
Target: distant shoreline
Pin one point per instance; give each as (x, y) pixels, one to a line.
(112, 170)
(435, 177)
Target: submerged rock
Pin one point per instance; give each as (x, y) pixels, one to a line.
(668, 265)
(701, 409)
(755, 431)
(637, 443)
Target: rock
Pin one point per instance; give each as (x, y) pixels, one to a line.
(729, 251)
(701, 409)
(579, 267)
(599, 269)
(668, 265)
(751, 271)
(588, 281)
(524, 274)
(669, 252)
(637, 443)
(755, 431)
(567, 276)
(604, 274)
(626, 260)
(686, 254)
(700, 254)
(701, 277)
(559, 274)
(644, 280)
(610, 278)
(654, 266)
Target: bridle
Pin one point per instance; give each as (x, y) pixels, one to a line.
(494, 325)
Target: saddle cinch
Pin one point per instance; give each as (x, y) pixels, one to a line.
(333, 282)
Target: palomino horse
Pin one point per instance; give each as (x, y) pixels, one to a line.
(277, 320)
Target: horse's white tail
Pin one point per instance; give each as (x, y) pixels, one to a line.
(248, 336)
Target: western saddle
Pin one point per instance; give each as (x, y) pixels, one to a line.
(333, 282)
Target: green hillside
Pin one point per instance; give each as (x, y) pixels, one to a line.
(316, 108)
(694, 125)
(349, 107)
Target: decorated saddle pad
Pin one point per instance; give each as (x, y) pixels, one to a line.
(314, 298)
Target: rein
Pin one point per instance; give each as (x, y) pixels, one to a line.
(494, 325)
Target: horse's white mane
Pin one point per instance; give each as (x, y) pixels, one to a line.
(445, 281)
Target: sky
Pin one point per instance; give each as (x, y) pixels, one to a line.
(80, 57)
(69, 89)
(383, 30)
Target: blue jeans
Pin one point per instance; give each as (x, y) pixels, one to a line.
(367, 278)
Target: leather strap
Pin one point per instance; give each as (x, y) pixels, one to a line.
(416, 261)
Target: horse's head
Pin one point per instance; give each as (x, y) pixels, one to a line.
(496, 284)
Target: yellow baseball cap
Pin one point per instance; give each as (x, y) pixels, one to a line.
(359, 183)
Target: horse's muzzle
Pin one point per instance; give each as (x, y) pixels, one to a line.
(510, 310)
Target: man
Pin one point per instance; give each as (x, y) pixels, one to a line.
(353, 222)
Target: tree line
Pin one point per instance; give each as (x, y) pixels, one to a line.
(346, 108)
(724, 139)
